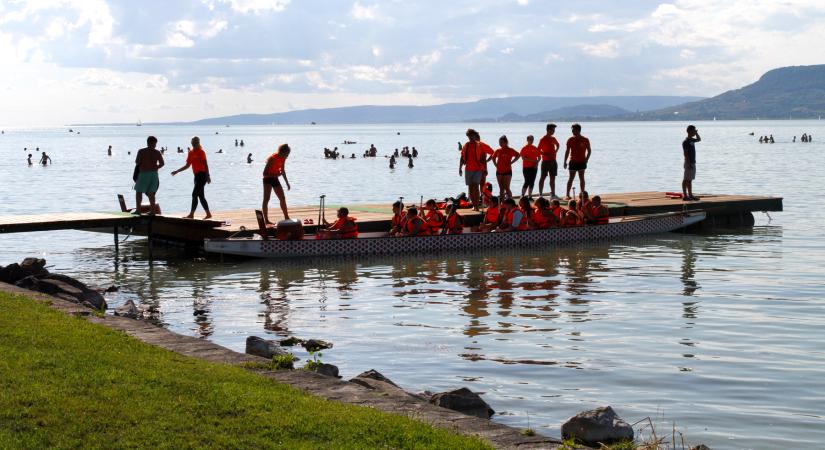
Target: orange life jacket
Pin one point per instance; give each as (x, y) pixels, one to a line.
(491, 216)
(573, 219)
(522, 225)
(539, 219)
(559, 213)
(423, 230)
(455, 224)
(601, 214)
(352, 233)
(435, 220)
(398, 220)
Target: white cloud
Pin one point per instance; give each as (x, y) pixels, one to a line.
(257, 6)
(605, 49)
(362, 12)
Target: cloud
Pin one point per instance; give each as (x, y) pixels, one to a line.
(605, 49)
(257, 6)
(361, 12)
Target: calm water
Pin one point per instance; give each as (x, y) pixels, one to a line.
(720, 333)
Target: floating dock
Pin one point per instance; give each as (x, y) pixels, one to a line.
(723, 211)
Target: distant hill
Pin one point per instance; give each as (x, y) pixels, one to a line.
(567, 113)
(789, 92)
(527, 107)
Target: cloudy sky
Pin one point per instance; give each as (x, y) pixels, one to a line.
(70, 61)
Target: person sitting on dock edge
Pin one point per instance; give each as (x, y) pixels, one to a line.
(454, 224)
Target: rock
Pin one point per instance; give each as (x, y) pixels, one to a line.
(700, 447)
(128, 309)
(326, 369)
(51, 286)
(464, 401)
(66, 279)
(262, 347)
(290, 341)
(12, 273)
(112, 289)
(27, 283)
(34, 266)
(597, 426)
(313, 345)
(373, 375)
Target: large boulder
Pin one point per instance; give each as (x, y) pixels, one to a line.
(464, 401)
(597, 426)
(34, 266)
(373, 374)
(128, 309)
(12, 273)
(314, 345)
(329, 370)
(263, 347)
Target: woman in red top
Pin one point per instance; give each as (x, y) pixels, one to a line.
(529, 166)
(492, 217)
(196, 158)
(504, 158)
(399, 217)
(275, 167)
(343, 228)
(454, 223)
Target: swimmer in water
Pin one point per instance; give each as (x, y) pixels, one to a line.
(110, 150)
(30, 159)
(249, 158)
(45, 159)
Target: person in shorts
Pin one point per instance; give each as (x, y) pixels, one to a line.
(529, 166)
(275, 168)
(148, 161)
(578, 151)
(474, 156)
(504, 158)
(548, 147)
(689, 153)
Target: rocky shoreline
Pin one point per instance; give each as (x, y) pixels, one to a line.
(594, 428)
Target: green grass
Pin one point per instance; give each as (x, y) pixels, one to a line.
(67, 383)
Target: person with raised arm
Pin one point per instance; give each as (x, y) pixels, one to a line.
(196, 158)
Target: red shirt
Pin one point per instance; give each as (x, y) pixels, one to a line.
(548, 146)
(275, 163)
(530, 156)
(197, 159)
(475, 155)
(578, 146)
(503, 157)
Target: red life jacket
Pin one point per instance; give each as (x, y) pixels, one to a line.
(455, 224)
(601, 215)
(423, 230)
(435, 220)
(573, 219)
(491, 216)
(522, 225)
(352, 233)
(398, 220)
(539, 219)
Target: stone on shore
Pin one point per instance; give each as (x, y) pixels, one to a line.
(700, 447)
(263, 347)
(34, 266)
(290, 341)
(128, 309)
(374, 375)
(314, 345)
(12, 273)
(329, 370)
(464, 401)
(597, 426)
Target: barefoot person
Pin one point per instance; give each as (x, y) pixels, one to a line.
(149, 161)
(689, 152)
(549, 147)
(474, 155)
(196, 158)
(275, 167)
(504, 158)
(529, 166)
(578, 151)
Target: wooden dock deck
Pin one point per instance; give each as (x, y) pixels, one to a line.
(723, 210)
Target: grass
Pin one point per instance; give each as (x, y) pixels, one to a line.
(67, 383)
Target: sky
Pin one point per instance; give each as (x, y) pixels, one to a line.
(99, 61)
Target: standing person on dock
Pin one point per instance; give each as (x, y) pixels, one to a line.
(276, 167)
(149, 161)
(529, 166)
(196, 158)
(549, 147)
(578, 150)
(504, 158)
(689, 153)
(474, 156)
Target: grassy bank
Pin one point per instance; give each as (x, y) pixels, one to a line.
(67, 383)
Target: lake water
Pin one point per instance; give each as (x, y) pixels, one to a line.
(721, 333)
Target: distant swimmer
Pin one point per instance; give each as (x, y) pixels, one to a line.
(236, 142)
(109, 151)
(45, 159)
(219, 150)
(529, 166)
(414, 153)
(771, 139)
(549, 147)
(689, 152)
(578, 151)
(275, 168)
(410, 163)
(37, 149)
(241, 142)
(148, 161)
(794, 139)
(196, 158)
(249, 158)
(392, 162)
(30, 159)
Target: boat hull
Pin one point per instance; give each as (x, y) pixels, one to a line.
(259, 248)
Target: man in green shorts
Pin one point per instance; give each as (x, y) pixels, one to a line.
(148, 161)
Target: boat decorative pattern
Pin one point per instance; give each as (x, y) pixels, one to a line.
(385, 245)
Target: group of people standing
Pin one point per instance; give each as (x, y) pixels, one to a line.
(475, 154)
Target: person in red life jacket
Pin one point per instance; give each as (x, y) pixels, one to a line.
(414, 226)
(488, 153)
(276, 167)
(529, 166)
(514, 219)
(596, 213)
(492, 217)
(573, 217)
(434, 217)
(543, 217)
(578, 151)
(474, 156)
(584, 201)
(525, 205)
(548, 148)
(486, 194)
(343, 228)
(399, 216)
(197, 160)
(454, 224)
(504, 158)
(558, 211)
